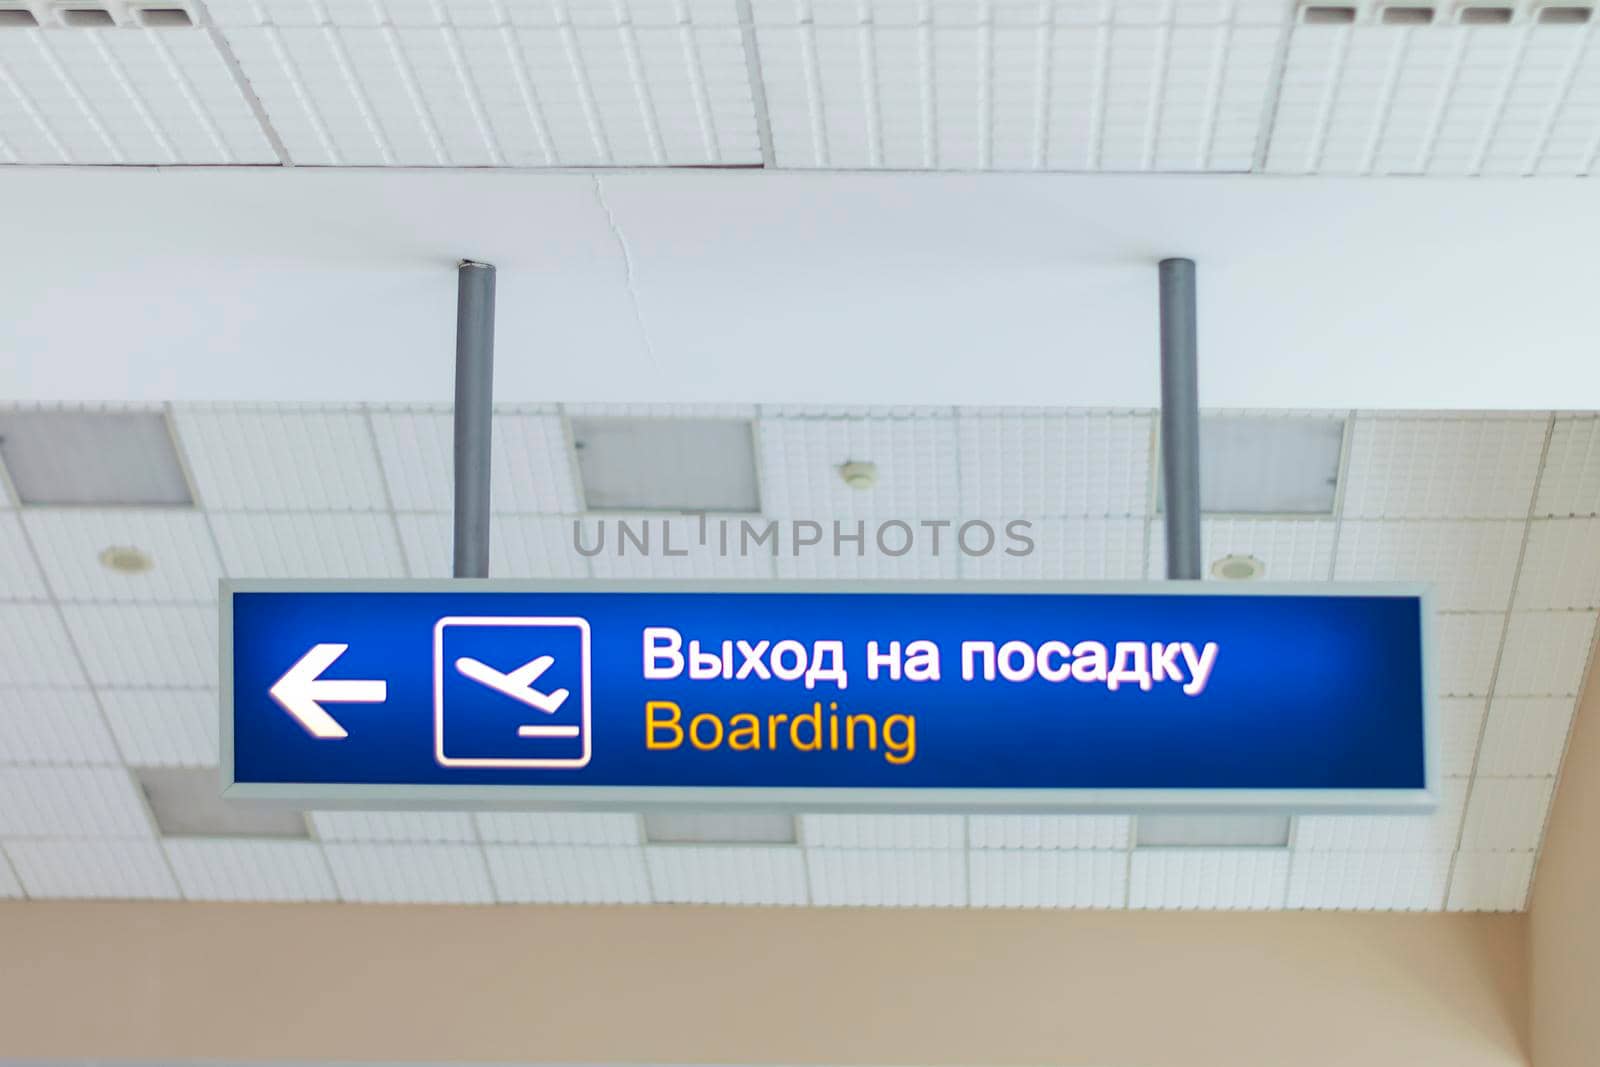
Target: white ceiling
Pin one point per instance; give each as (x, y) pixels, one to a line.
(102, 672)
(338, 285)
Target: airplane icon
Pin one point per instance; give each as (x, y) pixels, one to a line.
(517, 684)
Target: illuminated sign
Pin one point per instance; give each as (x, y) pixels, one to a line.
(970, 696)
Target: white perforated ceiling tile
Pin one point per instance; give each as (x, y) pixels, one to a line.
(510, 84)
(658, 546)
(1561, 569)
(1545, 653)
(915, 457)
(123, 95)
(520, 546)
(1061, 549)
(1208, 878)
(1570, 481)
(530, 467)
(1470, 565)
(1368, 881)
(1290, 550)
(393, 826)
(182, 562)
(918, 878)
(70, 802)
(53, 726)
(35, 648)
(163, 727)
(1024, 464)
(724, 875)
(1434, 832)
(1040, 879)
(277, 459)
(20, 577)
(1460, 726)
(410, 873)
(883, 831)
(309, 545)
(1526, 735)
(1490, 881)
(568, 874)
(217, 869)
(146, 644)
(70, 870)
(1439, 99)
(558, 828)
(888, 84)
(1466, 467)
(1049, 831)
(1505, 814)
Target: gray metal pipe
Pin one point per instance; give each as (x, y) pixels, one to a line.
(1180, 419)
(473, 414)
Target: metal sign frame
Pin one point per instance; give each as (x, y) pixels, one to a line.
(825, 799)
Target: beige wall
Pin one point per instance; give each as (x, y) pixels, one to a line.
(752, 986)
(1564, 927)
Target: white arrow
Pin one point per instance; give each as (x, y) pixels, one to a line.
(301, 688)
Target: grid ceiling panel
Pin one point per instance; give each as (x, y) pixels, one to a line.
(685, 874)
(1040, 879)
(1440, 99)
(121, 96)
(916, 459)
(1470, 565)
(886, 84)
(1060, 464)
(309, 545)
(69, 542)
(35, 648)
(410, 873)
(558, 828)
(1526, 735)
(1436, 467)
(393, 826)
(1049, 831)
(20, 577)
(520, 546)
(1460, 727)
(883, 831)
(530, 467)
(920, 557)
(1435, 832)
(1561, 569)
(622, 559)
(490, 85)
(10, 885)
(1293, 550)
(163, 727)
(209, 869)
(94, 802)
(281, 459)
(1491, 881)
(68, 870)
(1505, 814)
(1062, 549)
(1466, 645)
(569, 874)
(146, 644)
(1570, 481)
(919, 878)
(1545, 653)
(1368, 881)
(1246, 879)
(53, 726)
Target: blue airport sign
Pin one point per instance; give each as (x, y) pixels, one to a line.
(921, 696)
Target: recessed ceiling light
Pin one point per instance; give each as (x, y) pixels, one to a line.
(92, 458)
(666, 464)
(125, 559)
(1238, 568)
(1213, 831)
(187, 802)
(1268, 464)
(683, 828)
(859, 474)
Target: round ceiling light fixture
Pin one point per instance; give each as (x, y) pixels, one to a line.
(125, 559)
(859, 475)
(1235, 568)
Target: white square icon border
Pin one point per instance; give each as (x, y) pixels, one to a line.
(482, 621)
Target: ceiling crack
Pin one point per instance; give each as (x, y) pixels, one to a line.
(627, 268)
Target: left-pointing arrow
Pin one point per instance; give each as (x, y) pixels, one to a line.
(302, 691)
